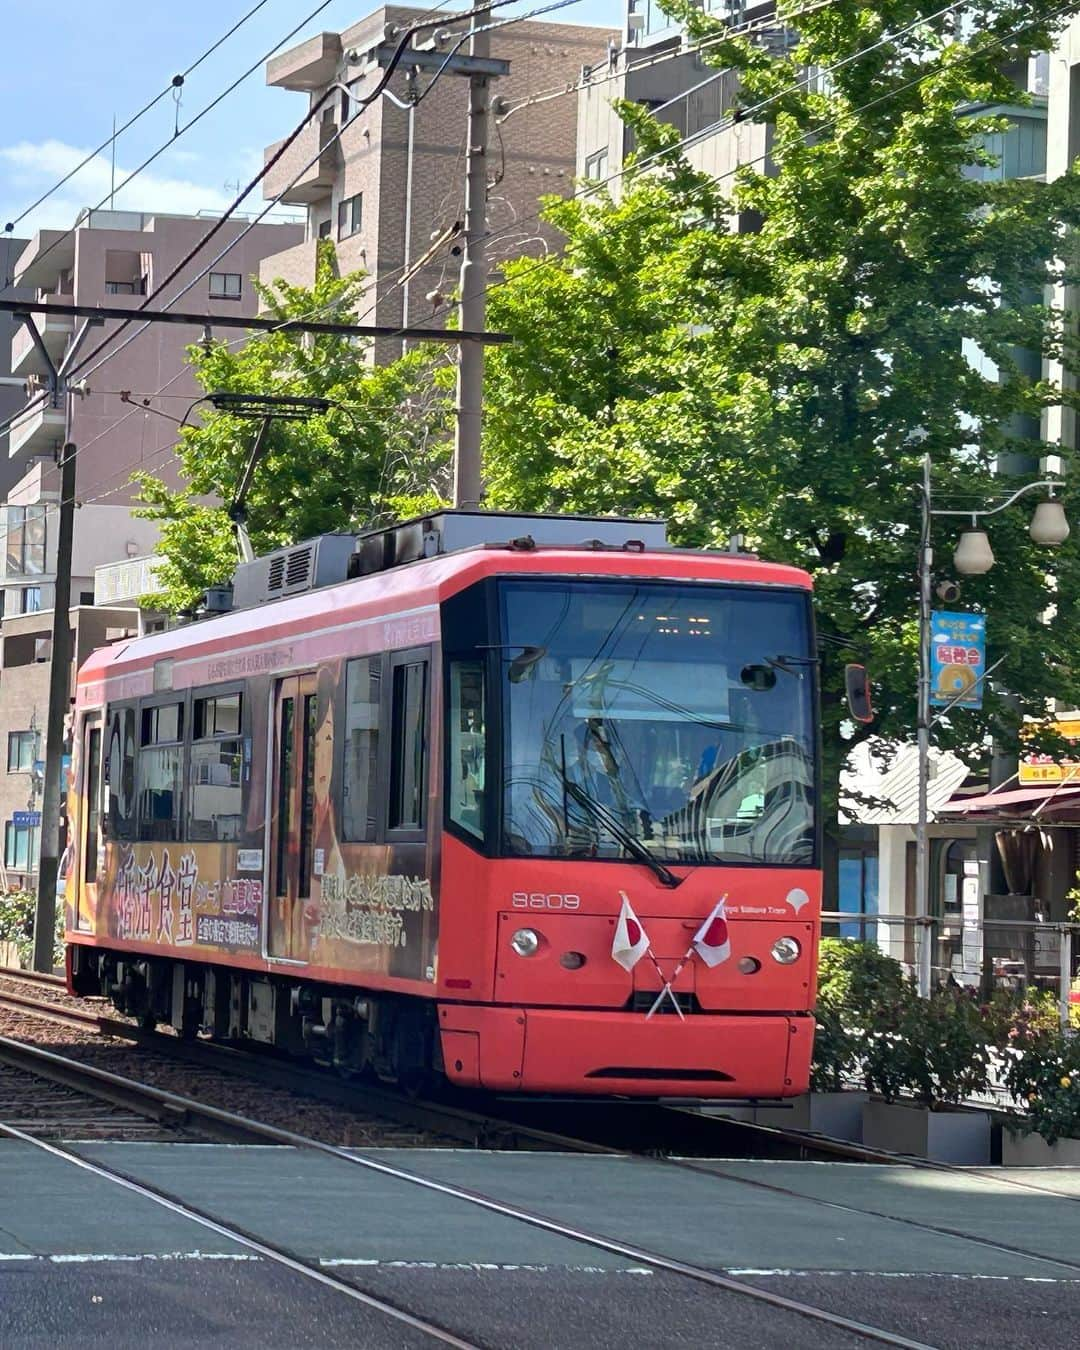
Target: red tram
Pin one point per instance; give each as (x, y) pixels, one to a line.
(531, 801)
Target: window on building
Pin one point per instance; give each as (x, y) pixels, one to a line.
(407, 741)
(363, 681)
(216, 808)
(120, 774)
(25, 540)
(225, 285)
(126, 272)
(161, 771)
(23, 750)
(858, 892)
(21, 844)
(350, 214)
(86, 597)
(30, 600)
(326, 228)
(596, 166)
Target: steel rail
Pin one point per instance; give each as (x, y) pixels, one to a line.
(478, 1129)
(215, 1118)
(279, 1255)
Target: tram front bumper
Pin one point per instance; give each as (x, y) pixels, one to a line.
(626, 1054)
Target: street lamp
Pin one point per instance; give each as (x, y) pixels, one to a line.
(973, 556)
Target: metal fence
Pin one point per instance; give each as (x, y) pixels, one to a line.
(1014, 954)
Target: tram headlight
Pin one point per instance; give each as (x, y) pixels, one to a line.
(786, 950)
(526, 942)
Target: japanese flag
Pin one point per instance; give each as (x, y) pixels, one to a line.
(631, 942)
(711, 941)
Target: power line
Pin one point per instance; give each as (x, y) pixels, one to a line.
(399, 52)
(203, 112)
(593, 185)
(175, 83)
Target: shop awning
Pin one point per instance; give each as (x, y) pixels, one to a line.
(1028, 801)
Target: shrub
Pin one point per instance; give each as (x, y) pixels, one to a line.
(1042, 1071)
(17, 925)
(876, 1029)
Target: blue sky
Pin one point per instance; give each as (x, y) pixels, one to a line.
(68, 66)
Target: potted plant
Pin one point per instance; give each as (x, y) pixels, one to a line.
(936, 1052)
(1043, 1074)
(16, 928)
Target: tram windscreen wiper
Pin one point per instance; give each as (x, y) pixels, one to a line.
(633, 845)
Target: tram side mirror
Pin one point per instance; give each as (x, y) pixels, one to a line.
(858, 693)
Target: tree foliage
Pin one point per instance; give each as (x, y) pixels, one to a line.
(380, 451)
(786, 381)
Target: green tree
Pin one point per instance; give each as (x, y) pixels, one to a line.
(381, 451)
(786, 381)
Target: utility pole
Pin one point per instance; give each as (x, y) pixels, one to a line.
(468, 482)
(924, 931)
(59, 391)
(480, 68)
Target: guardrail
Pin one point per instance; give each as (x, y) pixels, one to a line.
(1001, 962)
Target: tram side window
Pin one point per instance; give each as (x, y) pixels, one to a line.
(467, 737)
(161, 771)
(216, 805)
(120, 774)
(363, 680)
(407, 746)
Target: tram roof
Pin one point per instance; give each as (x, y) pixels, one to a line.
(403, 595)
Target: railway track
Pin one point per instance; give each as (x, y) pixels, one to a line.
(176, 1110)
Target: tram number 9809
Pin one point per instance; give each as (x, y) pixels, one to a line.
(539, 900)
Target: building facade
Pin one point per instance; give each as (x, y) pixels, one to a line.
(12, 395)
(394, 178)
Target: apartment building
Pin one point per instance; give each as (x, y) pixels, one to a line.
(11, 386)
(395, 177)
(652, 64)
(112, 258)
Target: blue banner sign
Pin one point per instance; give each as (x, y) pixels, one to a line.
(957, 659)
(23, 820)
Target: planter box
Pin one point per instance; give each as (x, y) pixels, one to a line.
(961, 1137)
(837, 1114)
(1032, 1150)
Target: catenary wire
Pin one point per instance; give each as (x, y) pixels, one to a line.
(716, 178)
(203, 112)
(594, 185)
(175, 83)
(84, 365)
(400, 50)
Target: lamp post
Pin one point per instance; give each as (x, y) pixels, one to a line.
(972, 557)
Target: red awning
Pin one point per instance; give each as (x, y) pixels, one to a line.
(1018, 801)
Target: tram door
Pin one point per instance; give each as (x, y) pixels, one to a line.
(292, 814)
(84, 874)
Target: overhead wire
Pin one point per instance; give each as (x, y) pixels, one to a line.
(203, 112)
(594, 185)
(175, 83)
(404, 38)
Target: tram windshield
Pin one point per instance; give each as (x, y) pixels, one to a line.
(657, 721)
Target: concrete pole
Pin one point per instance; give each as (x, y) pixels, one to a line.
(468, 483)
(923, 931)
(59, 705)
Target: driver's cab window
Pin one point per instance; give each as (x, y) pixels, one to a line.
(467, 746)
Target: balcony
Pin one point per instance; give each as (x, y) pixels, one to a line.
(55, 332)
(313, 144)
(295, 265)
(310, 65)
(38, 432)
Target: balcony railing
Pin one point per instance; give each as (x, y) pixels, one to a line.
(55, 331)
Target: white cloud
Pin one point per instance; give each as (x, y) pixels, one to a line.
(27, 169)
